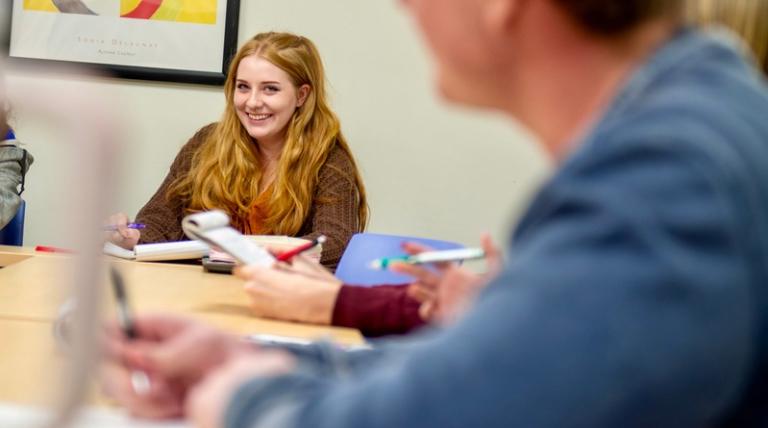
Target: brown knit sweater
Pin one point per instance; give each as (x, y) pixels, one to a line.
(334, 210)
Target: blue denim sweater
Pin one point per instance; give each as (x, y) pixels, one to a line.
(636, 292)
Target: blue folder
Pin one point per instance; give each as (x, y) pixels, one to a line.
(354, 267)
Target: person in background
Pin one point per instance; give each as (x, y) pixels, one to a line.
(276, 162)
(14, 164)
(748, 18)
(636, 293)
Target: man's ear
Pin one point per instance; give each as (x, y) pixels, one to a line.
(303, 92)
(499, 15)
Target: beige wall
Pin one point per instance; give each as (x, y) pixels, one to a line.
(431, 170)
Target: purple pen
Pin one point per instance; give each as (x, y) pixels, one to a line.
(129, 226)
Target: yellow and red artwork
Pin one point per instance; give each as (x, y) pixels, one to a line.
(81, 7)
(41, 5)
(192, 11)
(195, 11)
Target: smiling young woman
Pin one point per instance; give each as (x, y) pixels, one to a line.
(276, 162)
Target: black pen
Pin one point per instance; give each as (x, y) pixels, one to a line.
(123, 311)
(139, 379)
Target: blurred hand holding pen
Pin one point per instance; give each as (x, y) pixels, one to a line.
(140, 381)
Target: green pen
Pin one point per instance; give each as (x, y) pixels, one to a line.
(430, 257)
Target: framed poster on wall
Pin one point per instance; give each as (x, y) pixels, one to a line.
(188, 41)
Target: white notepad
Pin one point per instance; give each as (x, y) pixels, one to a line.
(164, 251)
(212, 227)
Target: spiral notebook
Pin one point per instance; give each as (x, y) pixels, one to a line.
(164, 251)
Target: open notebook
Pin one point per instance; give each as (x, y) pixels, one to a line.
(164, 251)
(213, 227)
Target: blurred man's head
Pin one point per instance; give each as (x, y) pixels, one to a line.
(474, 40)
(614, 17)
(501, 53)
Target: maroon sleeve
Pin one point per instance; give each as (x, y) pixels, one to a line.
(377, 311)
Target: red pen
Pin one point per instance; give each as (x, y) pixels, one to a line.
(44, 249)
(284, 257)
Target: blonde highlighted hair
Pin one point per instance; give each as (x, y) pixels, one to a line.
(225, 172)
(748, 18)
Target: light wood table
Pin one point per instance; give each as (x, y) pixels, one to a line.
(33, 286)
(27, 361)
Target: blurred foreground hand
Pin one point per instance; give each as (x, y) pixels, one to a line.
(176, 353)
(447, 292)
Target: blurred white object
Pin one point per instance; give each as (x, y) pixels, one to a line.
(17, 416)
(88, 125)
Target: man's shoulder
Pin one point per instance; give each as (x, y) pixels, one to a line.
(699, 96)
(714, 119)
(680, 154)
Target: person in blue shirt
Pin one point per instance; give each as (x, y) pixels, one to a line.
(14, 163)
(637, 291)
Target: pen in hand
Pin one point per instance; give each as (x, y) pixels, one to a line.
(288, 255)
(455, 255)
(114, 227)
(123, 312)
(139, 379)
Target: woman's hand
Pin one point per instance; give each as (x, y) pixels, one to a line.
(303, 291)
(123, 236)
(304, 265)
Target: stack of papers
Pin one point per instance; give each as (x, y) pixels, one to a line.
(276, 244)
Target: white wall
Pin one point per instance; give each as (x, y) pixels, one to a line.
(431, 170)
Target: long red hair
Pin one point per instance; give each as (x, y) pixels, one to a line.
(225, 172)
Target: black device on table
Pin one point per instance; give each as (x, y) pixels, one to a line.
(217, 266)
